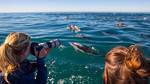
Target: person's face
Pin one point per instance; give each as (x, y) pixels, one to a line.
(25, 53)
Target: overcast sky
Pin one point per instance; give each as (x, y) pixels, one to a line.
(74, 5)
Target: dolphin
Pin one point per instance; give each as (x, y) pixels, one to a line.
(82, 36)
(84, 48)
(74, 28)
(120, 24)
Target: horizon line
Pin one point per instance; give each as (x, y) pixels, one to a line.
(74, 11)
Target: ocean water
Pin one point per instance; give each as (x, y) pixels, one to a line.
(64, 64)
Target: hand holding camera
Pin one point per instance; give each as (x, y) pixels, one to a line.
(41, 50)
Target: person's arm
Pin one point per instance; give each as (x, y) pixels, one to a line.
(41, 77)
(40, 54)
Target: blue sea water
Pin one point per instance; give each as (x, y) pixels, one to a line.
(67, 66)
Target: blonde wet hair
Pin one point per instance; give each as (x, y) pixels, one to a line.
(10, 50)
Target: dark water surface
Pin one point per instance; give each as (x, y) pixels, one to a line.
(65, 65)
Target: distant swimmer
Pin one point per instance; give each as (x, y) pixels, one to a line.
(84, 48)
(74, 28)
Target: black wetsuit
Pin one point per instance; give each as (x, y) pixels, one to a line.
(25, 74)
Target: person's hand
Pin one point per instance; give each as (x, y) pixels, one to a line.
(42, 53)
